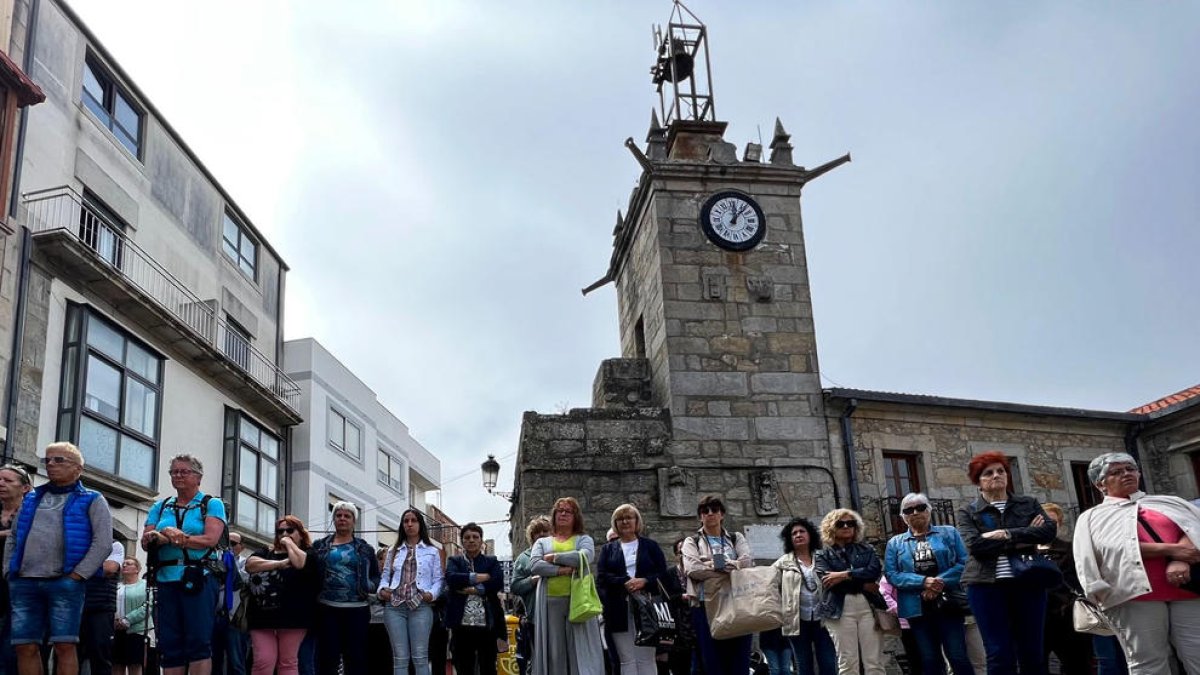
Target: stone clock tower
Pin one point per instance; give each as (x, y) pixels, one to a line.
(717, 389)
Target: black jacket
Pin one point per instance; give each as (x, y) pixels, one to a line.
(865, 568)
(458, 576)
(980, 517)
(611, 576)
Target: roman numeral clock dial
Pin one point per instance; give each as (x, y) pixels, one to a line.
(733, 221)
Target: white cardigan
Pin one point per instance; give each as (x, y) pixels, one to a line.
(1107, 556)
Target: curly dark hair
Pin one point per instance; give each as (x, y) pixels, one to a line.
(814, 538)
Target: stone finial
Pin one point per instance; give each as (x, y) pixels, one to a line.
(781, 148)
(656, 138)
(620, 224)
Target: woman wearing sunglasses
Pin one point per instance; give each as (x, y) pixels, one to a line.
(924, 565)
(708, 554)
(283, 598)
(849, 570)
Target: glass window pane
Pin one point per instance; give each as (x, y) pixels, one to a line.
(229, 249)
(92, 84)
(98, 443)
(382, 476)
(137, 461)
(67, 393)
(267, 517)
(249, 249)
(142, 362)
(126, 116)
(103, 391)
(105, 339)
(247, 510)
(230, 233)
(248, 471)
(353, 445)
(270, 481)
(336, 424)
(249, 432)
(246, 266)
(141, 405)
(128, 141)
(269, 446)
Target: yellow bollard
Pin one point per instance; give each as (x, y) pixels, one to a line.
(506, 662)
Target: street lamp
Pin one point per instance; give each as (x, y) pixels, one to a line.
(491, 471)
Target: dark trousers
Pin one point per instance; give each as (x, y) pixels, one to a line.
(96, 639)
(342, 636)
(1074, 650)
(471, 648)
(1011, 618)
(937, 632)
(1110, 660)
(718, 657)
(813, 649)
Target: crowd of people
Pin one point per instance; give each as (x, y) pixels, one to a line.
(997, 592)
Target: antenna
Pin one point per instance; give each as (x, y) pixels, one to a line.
(684, 91)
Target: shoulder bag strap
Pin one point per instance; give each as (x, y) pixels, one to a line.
(1149, 530)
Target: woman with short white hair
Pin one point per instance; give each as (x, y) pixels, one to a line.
(1135, 553)
(629, 564)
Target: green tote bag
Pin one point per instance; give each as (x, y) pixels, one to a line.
(585, 601)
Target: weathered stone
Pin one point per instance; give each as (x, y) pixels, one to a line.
(785, 383)
(731, 428)
(709, 384)
(789, 428)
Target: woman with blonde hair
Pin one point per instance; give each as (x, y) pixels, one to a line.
(283, 598)
(629, 564)
(849, 570)
(561, 647)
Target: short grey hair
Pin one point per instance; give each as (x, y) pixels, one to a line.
(1098, 468)
(345, 506)
(192, 461)
(913, 498)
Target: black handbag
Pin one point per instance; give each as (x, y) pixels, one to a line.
(1194, 584)
(953, 602)
(1035, 569)
(654, 619)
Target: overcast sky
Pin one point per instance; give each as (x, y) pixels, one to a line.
(1019, 222)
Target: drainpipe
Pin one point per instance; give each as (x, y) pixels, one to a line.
(848, 449)
(27, 65)
(14, 366)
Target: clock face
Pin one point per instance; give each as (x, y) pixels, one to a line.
(733, 221)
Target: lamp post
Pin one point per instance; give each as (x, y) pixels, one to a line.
(491, 471)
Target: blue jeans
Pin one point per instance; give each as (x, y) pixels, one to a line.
(42, 607)
(1110, 660)
(1011, 618)
(237, 645)
(185, 622)
(940, 631)
(814, 639)
(777, 651)
(408, 629)
(719, 656)
(308, 654)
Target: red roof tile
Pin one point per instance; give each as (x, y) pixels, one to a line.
(1168, 401)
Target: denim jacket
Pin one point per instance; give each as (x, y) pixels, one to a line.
(430, 578)
(979, 517)
(899, 566)
(865, 568)
(368, 564)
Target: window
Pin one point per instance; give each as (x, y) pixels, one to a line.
(1086, 495)
(900, 478)
(344, 435)
(390, 471)
(101, 229)
(239, 246)
(237, 343)
(387, 534)
(112, 106)
(254, 486)
(111, 397)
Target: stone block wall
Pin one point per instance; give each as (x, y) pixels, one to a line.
(1169, 453)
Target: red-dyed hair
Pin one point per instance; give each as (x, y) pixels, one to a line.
(982, 461)
(292, 521)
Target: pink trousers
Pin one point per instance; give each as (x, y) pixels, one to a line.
(276, 646)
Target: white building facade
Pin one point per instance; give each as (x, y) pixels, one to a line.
(152, 305)
(352, 448)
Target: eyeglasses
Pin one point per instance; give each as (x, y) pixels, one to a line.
(1119, 471)
(845, 524)
(709, 509)
(282, 531)
(57, 459)
(917, 508)
(180, 472)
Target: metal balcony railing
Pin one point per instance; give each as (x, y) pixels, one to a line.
(62, 210)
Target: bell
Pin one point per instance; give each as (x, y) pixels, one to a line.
(674, 68)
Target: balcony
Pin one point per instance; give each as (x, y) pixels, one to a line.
(95, 253)
(885, 511)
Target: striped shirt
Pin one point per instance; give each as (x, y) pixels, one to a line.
(1003, 566)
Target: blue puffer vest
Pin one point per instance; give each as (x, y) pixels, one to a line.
(77, 525)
